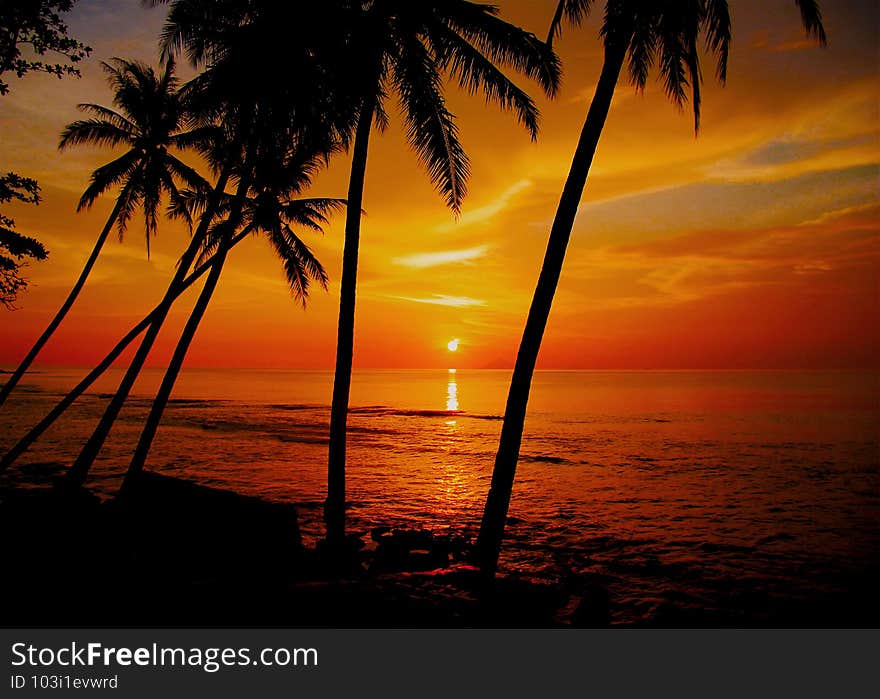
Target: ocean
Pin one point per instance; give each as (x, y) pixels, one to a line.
(704, 493)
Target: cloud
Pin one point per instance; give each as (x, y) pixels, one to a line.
(762, 40)
(770, 157)
(489, 211)
(796, 45)
(848, 212)
(425, 260)
(445, 300)
(726, 204)
(704, 263)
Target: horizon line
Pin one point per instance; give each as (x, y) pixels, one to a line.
(829, 369)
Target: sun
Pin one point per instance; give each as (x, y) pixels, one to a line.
(452, 345)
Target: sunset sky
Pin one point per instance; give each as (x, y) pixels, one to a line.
(755, 245)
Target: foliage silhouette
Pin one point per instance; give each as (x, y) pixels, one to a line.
(244, 112)
(38, 25)
(48, 420)
(149, 123)
(16, 248)
(271, 210)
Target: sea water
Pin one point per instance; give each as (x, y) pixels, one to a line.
(702, 491)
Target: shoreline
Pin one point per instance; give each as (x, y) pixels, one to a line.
(174, 561)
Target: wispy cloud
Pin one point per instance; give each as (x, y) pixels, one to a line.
(836, 254)
(718, 203)
(770, 159)
(764, 40)
(444, 300)
(489, 211)
(850, 211)
(446, 257)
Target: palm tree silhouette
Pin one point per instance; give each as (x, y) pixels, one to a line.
(271, 210)
(642, 33)
(402, 47)
(362, 50)
(149, 122)
(78, 472)
(70, 398)
(288, 58)
(235, 40)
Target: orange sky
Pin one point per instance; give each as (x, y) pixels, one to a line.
(754, 245)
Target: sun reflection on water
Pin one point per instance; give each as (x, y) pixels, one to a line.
(452, 393)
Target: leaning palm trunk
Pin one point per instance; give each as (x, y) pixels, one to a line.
(171, 374)
(192, 324)
(65, 307)
(498, 500)
(334, 508)
(25, 442)
(77, 473)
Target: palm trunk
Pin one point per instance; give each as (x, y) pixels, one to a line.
(334, 508)
(65, 307)
(498, 500)
(161, 401)
(77, 473)
(35, 433)
(164, 394)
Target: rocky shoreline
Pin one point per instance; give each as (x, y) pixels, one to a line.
(172, 553)
(177, 554)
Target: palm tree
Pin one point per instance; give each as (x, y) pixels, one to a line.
(288, 58)
(270, 210)
(403, 47)
(149, 123)
(236, 41)
(361, 49)
(78, 472)
(639, 34)
(34, 434)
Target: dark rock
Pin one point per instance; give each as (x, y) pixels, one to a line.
(594, 610)
(408, 549)
(187, 526)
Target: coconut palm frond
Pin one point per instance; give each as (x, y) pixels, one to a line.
(128, 201)
(311, 213)
(94, 132)
(477, 73)
(149, 119)
(181, 208)
(189, 176)
(574, 11)
(505, 43)
(811, 17)
(718, 34)
(151, 199)
(220, 233)
(431, 128)
(110, 116)
(108, 176)
(301, 267)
